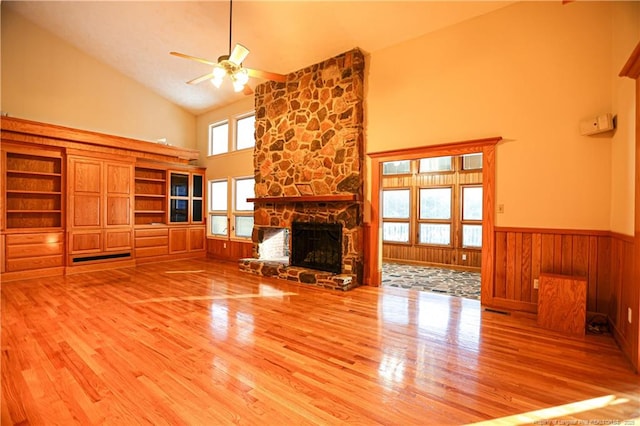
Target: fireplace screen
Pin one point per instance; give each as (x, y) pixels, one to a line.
(317, 246)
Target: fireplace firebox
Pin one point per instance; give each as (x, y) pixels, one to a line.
(317, 246)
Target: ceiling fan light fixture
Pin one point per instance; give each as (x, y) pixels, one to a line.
(217, 82)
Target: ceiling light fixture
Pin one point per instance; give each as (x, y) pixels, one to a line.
(231, 64)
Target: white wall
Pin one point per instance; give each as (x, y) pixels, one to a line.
(529, 73)
(46, 79)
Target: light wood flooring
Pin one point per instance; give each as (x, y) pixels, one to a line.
(197, 342)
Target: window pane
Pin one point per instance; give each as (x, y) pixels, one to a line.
(396, 167)
(395, 203)
(472, 161)
(435, 203)
(472, 203)
(244, 190)
(218, 138)
(435, 164)
(218, 195)
(472, 235)
(218, 224)
(394, 231)
(435, 233)
(245, 132)
(244, 226)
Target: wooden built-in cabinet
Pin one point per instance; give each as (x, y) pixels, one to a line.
(100, 219)
(72, 200)
(169, 214)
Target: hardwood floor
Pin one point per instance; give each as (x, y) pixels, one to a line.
(197, 342)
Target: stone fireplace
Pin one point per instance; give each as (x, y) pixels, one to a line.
(308, 163)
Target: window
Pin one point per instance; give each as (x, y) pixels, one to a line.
(472, 216)
(218, 207)
(435, 164)
(396, 167)
(435, 216)
(245, 132)
(219, 138)
(396, 204)
(472, 161)
(243, 209)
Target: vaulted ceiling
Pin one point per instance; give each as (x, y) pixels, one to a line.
(135, 37)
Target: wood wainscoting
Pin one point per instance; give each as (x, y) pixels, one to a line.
(604, 258)
(232, 250)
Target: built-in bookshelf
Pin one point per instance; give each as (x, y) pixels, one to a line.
(33, 188)
(150, 196)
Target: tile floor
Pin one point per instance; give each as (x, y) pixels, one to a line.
(444, 281)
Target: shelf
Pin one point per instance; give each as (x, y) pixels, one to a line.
(306, 199)
(33, 211)
(30, 173)
(22, 192)
(144, 179)
(150, 195)
(149, 212)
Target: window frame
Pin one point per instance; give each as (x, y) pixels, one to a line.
(401, 220)
(464, 221)
(211, 141)
(450, 221)
(234, 212)
(211, 213)
(236, 120)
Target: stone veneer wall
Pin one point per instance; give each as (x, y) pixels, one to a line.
(310, 142)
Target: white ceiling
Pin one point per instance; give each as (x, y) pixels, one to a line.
(135, 37)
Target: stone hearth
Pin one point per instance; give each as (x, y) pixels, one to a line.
(309, 148)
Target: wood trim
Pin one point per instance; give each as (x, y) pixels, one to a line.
(487, 147)
(94, 139)
(306, 199)
(597, 233)
(631, 68)
(455, 148)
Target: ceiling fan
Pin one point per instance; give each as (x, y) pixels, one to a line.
(231, 65)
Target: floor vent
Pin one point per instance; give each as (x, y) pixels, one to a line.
(101, 257)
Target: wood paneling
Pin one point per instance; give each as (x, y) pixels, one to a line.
(231, 250)
(178, 240)
(118, 240)
(197, 237)
(562, 303)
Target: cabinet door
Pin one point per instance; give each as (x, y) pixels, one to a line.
(178, 240)
(197, 198)
(179, 197)
(118, 194)
(197, 238)
(85, 188)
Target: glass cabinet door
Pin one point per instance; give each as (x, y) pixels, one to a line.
(196, 198)
(179, 198)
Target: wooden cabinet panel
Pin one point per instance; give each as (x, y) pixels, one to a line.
(152, 241)
(119, 178)
(86, 175)
(118, 211)
(152, 251)
(161, 232)
(86, 242)
(197, 237)
(117, 240)
(27, 264)
(89, 213)
(40, 238)
(178, 240)
(33, 250)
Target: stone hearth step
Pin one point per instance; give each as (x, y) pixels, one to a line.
(282, 270)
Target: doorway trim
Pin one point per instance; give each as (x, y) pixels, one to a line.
(373, 262)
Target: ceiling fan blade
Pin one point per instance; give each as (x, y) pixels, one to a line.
(193, 58)
(266, 75)
(201, 78)
(238, 54)
(247, 90)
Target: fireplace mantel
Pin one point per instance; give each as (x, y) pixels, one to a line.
(306, 199)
